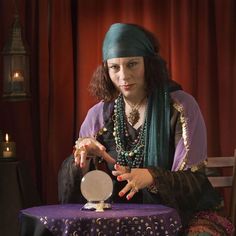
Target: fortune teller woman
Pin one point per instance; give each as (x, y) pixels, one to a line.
(146, 132)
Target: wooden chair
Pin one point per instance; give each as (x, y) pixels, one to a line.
(223, 181)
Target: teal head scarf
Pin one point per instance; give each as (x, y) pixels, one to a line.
(126, 40)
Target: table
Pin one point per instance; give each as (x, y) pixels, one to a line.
(122, 219)
(17, 191)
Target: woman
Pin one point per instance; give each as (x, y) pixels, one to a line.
(146, 132)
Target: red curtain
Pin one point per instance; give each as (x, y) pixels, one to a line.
(198, 41)
(56, 93)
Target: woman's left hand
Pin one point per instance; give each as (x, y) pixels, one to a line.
(137, 178)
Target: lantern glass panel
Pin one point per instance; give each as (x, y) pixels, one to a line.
(16, 75)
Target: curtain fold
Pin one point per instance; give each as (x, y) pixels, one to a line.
(56, 90)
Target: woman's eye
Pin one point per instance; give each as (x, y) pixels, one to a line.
(132, 64)
(113, 67)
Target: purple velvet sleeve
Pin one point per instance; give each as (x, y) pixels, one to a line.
(93, 121)
(192, 147)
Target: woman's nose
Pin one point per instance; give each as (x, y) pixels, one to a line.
(123, 74)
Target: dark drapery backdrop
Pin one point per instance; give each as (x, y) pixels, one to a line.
(198, 41)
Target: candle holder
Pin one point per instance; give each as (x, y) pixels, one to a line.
(8, 149)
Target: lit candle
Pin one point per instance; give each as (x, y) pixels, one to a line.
(17, 76)
(8, 148)
(7, 153)
(17, 81)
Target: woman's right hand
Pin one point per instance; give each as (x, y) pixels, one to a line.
(87, 147)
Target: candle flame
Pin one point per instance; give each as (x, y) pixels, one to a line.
(8, 149)
(16, 74)
(7, 138)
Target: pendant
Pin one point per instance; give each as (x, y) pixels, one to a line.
(134, 116)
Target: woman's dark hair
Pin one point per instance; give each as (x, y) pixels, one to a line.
(156, 73)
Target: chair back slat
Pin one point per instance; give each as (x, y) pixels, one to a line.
(223, 181)
(220, 182)
(213, 162)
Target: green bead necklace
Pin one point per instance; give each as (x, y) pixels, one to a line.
(129, 153)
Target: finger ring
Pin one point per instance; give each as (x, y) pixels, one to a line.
(127, 169)
(81, 149)
(134, 188)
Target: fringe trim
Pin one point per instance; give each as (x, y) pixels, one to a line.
(184, 123)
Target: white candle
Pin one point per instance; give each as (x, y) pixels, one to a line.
(7, 153)
(8, 148)
(17, 82)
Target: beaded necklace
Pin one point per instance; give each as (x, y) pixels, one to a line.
(129, 153)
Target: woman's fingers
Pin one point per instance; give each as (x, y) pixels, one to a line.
(103, 153)
(83, 156)
(138, 178)
(120, 170)
(77, 157)
(108, 158)
(88, 147)
(93, 147)
(117, 170)
(99, 145)
(124, 176)
(129, 188)
(131, 193)
(80, 156)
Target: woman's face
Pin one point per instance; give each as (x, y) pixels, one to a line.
(127, 74)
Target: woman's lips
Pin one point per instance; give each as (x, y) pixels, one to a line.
(127, 86)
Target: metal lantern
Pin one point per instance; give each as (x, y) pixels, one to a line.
(15, 65)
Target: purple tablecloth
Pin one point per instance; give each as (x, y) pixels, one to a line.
(122, 219)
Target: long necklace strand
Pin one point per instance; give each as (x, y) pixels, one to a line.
(132, 156)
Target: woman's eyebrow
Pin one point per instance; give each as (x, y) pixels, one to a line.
(111, 63)
(128, 61)
(134, 59)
